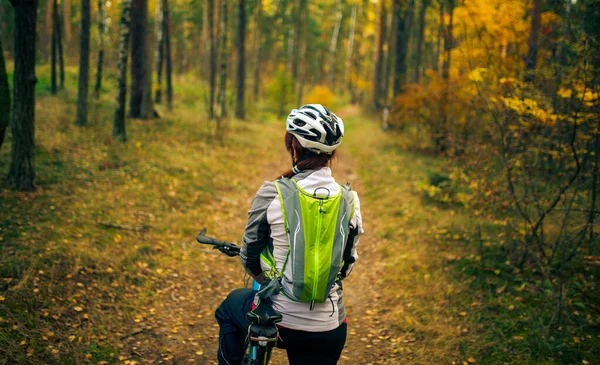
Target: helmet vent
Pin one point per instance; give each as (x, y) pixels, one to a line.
(299, 123)
(311, 115)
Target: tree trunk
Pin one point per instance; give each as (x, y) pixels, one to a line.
(139, 104)
(59, 45)
(160, 26)
(101, 23)
(167, 55)
(402, 32)
(124, 27)
(296, 41)
(213, 58)
(67, 19)
(257, 47)
(448, 40)
(223, 60)
(84, 63)
(420, 39)
(241, 74)
(438, 48)
(377, 79)
(22, 164)
(348, 71)
(54, 50)
(333, 46)
(531, 59)
(391, 52)
(304, 16)
(4, 97)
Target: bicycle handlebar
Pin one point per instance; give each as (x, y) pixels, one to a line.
(230, 249)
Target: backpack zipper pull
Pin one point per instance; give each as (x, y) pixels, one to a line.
(321, 210)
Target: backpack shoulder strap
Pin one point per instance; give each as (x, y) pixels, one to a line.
(284, 187)
(349, 197)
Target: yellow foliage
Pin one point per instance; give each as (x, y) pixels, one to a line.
(320, 95)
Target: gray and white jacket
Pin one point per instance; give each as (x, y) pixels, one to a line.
(265, 227)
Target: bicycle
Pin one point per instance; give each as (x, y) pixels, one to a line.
(262, 333)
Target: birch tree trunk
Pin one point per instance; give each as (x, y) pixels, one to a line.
(84, 64)
(4, 97)
(241, 74)
(21, 173)
(101, 16)
(257, 47)
(333, 46)
(213, 58)
(119, 121)
(348, 69)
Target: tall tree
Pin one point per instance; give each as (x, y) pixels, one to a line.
(67, 19)
(448, 41)
(241, 74)
(391, 50)
(139, 105)
(56, 50)
(223, 60)
(420, 41)
(4, 97)
(119, 121)
(213, 57)
(333, 45)
(167, 52)
(304, 42)
(21, 173)
(348, 71)
(84, 63)
(403, 24)
(53, 51)
(534, 32)
(159, 51)
(257, 48)
(101, 29)
(378, 78)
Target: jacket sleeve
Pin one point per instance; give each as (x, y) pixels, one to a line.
(258, 232)
(356, 227)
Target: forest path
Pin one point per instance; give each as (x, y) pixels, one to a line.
(179, 325)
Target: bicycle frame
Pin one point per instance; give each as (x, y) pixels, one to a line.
(232, 250)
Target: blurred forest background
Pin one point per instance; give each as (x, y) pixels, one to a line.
(473, 136)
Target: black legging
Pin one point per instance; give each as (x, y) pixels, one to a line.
(314, 348)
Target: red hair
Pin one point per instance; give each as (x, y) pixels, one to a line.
(308, 160)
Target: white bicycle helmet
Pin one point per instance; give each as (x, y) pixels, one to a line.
(316, 128)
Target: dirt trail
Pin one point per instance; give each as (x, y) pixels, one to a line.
(183, 328)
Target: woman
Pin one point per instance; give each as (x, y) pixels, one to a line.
(322, 220)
